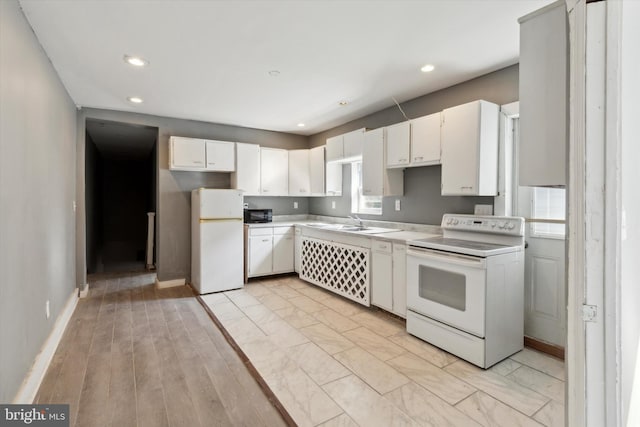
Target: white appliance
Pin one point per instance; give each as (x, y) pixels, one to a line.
(216, 240)
(465, 290)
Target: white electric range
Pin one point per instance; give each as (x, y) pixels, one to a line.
(465, 290)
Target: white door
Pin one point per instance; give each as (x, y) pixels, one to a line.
(274, 170)
(398, 144)
(373, 163)
(221, 156)
(247, 174)
(545, 282)
(221, 254)
(316, 171)
(400, 279)
(218, 203)
(187, 153)
(283, 252)
(299, 173)
(260, 255)
(425, 140)
(353, 142)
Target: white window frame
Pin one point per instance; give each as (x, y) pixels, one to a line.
(358, 200)
(537, 221)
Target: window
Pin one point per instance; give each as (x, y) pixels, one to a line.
(548, 203)
(361, 204)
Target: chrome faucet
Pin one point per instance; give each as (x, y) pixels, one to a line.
(357, 218)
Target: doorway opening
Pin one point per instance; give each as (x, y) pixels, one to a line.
(120, 191)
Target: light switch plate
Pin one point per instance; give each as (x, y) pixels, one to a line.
(397, 204)
(333, 204)
(295, 205)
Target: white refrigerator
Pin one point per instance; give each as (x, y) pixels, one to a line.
(216, 240)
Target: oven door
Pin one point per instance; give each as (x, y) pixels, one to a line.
(447, 287)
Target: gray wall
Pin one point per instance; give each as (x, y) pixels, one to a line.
(173, 226)
(37, 182)
(280, 205)
(93, 205)
(422, 202)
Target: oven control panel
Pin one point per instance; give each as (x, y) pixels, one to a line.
(485, 224)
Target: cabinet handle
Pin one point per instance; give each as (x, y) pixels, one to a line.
(466, 187)
(265, 190)
(367, 191)
(265, 240)
(418, 158)
(403, 160)
(212, 163)
(197, 162)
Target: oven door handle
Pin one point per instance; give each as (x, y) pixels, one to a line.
(450, 258)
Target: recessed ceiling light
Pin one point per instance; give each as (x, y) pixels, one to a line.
(136, 61)
(343, 102)
(274, 73)
(300, 125)
(135, 99)
(427, 68)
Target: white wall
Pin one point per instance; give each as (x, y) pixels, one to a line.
(37, 189)
(630, 198)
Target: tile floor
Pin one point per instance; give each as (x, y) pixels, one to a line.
(331, 362)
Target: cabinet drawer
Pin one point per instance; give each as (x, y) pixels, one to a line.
(260, 231)
(381, 246)
(283, 230)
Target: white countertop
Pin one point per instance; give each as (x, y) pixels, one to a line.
(396, 236)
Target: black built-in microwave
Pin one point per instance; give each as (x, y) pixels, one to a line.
(257, 215)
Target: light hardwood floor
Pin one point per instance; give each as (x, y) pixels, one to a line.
(136, 356)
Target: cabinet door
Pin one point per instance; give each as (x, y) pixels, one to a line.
(373, 163)
(334, 179)
(398, 138)
(425, 140)
(543, 94)
(335, 148)
(297, 249)
(221, 156)
(400, 279)
(299, 173)
(353, 142)
(260, 255)
(274, 172)
(283, 253)
(316, 171)
(186, 153)
(470, 149)
(247, 174)
(381, 280)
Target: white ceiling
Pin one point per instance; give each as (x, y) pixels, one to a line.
(210, 60)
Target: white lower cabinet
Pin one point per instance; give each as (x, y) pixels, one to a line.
(297, 249)
(388, 276)
(260, 255)
(269, 250)
(381, 275)
(283, 247)
(400, 279)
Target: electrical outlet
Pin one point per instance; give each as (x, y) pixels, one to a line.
(47, 309)
(245, 205)
(397, 204)
(75, 206)
(333, 204)
(295, 205)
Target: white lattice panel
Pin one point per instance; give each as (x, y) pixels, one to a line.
(340, 268)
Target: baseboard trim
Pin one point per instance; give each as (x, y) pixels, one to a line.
(83, 292)
(545, 347)
(169, 283)
(29, 388)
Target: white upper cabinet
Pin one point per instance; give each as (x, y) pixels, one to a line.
(247, 174)
(316, 171)
(425, 140)
(377, 180)
(221, 156)
(398, 145)
(470, 149)
(187, 154)
(335, 148)
(543, 97)
(274, 172)
(193, 154)
(353, 142)
(299, 173)
(345, 148)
